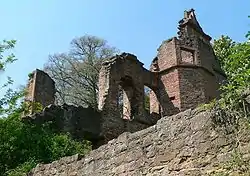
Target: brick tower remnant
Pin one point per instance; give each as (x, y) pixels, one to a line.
(40, 89)
(187, 66)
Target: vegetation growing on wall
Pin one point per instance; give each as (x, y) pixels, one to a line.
(235, 61)
(232, 109)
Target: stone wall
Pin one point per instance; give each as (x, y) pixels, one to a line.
(40, 89)
(81, 123)
(118, 75)
(188, 70)
(184, 144)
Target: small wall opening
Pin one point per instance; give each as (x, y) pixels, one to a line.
(151, 103)
(187, 56)
(125, 97)
(120, 101)
(172, 98)
(147, 98)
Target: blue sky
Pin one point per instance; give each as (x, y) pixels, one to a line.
(138, 26)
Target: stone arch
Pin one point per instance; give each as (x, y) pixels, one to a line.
(129, 97)
(126, 71)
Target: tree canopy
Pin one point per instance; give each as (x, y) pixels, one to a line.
(234, 58)
(76, 72)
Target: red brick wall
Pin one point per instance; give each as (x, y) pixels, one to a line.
(153, 102)
(187, 57)
(170, 91)
(167, 54)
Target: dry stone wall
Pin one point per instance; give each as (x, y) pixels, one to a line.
(184, 144)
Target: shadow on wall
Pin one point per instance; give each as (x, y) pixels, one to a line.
(80, 123)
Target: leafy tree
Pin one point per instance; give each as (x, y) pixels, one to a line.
(76, 72)
(248, 33)
(9, 101)
(232, 107)
(5, 46)
(235, 60)
(223, 49)
(22, 145)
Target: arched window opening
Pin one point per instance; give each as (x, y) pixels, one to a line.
(120, 101)
(151, 103)
(125, 97)
(147, 99)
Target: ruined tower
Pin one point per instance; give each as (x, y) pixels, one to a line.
(184, 74)
(187, 67)
(40, 89)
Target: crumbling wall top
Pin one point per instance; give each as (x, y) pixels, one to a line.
(190, 21)
(124, 56)
(40, 89)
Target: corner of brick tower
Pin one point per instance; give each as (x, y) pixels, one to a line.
(187, 66)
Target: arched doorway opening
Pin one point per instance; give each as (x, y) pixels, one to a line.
(151, 103)
(126, 98)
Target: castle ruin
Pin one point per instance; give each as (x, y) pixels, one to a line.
(183, 75)
(41, 89)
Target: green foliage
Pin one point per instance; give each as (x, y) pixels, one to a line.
(8, 102)
(22, 169)
(147, 102)
(235, 166)
(235, 61)
(231, 110)
(146, 98)
(33, 107)
(5, 46)
(208, 106)
(24, 145)
(248, 33)
(222, 48)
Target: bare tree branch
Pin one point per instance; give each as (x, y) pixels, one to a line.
(76, 72)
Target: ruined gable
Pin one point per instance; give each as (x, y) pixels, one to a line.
(188, 67)
(184, 74)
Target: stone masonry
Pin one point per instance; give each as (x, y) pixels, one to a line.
(187, 66)
(174, 137)
(118, 73)
(184, 144)
(184, 74)
(79, 122)
(40, 89)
